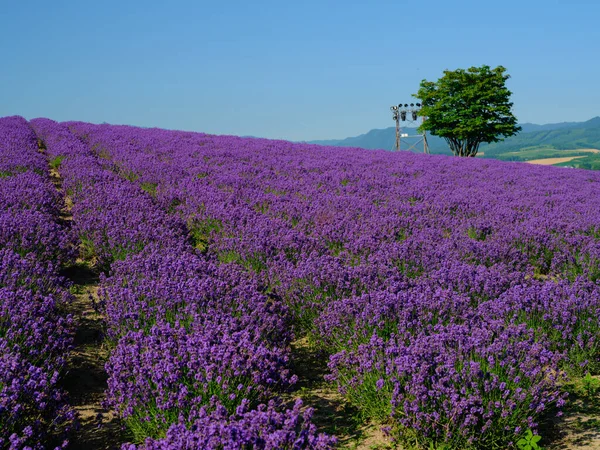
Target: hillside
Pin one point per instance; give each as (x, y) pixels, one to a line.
(547, 141)
(383, 139)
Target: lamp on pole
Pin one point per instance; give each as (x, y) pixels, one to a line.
(396, 116)
(408, 113)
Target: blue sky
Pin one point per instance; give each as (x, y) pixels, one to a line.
(294, 70)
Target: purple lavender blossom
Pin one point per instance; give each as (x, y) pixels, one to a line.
(35, 336)
(413, 272)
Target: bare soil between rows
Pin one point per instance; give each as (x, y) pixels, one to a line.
(332, 413)
(579, 427)
(85, 380)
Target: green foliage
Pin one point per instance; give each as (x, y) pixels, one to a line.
(536, 152)
(590, 385)
(56, 162)
(477, 234)
(306, 299)
(255, 261)
(101, 151)
(582, 264)
(277, 192)
(262, 207)
(202, 231)
(120, 252)
(374, 404)
(230, 257)
(128, 174)
(432, 446)
(401, 234)
(590, 161)
(529, 441)
(468, 107)
(152, 421)
(87, 248)
(411, 269)
(76, 289)
(100, 251)
(14, 171)
(150, 188)
(336, 247)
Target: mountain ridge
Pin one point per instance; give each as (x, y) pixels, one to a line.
(558, 136)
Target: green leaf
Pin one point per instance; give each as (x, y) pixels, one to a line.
(467, 108)
(529, 434)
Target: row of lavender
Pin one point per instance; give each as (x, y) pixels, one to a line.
(35, 333)
(197, 351)
(453, 296)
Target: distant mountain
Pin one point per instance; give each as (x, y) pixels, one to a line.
(529, 127)
(558, 136)
(374, 139)
(564, 137)
(384, 139)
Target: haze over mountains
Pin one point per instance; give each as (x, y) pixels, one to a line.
(557, 136)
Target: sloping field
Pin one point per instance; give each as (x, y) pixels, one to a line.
(452, 303)
(589, 150)
(552, 161)
(563, 159)
(533, 153)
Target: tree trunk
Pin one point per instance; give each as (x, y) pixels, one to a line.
(463, 147)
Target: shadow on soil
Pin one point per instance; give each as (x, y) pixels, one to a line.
(332, 414)
(578, 427)
(86, 379)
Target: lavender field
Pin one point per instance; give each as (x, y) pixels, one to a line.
(453, 303)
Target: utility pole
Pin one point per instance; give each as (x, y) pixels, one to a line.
(410, 114)
(397, 119)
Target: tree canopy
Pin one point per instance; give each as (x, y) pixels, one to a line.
(468, 107)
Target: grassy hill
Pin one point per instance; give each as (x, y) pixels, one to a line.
(575, 136)
(533, 142)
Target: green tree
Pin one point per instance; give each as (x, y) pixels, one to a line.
(468, 107)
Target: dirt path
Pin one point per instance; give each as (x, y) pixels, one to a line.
(86, 379)
(579, 427)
